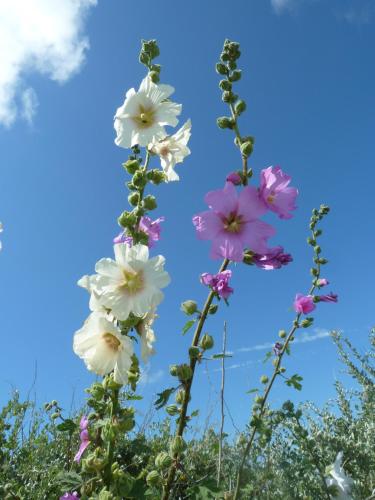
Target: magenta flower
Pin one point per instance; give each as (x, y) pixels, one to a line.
(304, 303)
(232, 223)
(331, 297)
(273, 259)
(219, 283)
(151, 228)
(122, 238)
(84, 435)
(277, 348)
(322, 282)
(70, 496)
(275, 193)
(234, 178)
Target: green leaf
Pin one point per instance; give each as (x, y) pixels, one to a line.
(221, 356)
(267, 356)
(195, 413)
(67, 426)
(163, 397)
(294, 381)
(187, 326)
(133, 397)
(69, 481)
(251, 391)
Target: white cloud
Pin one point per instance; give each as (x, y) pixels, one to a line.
(30, 104)
(148, 377)
(281, 5)
(43, 36)
(299, 339)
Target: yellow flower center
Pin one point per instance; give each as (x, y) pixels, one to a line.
(112, 342)
(145, 117)
(133, 282)
(233, 223)
(271, 197)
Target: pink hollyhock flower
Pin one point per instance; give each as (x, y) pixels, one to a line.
(273, 259)
(275, 193)
(331, 297)
(151, 228)
(304, 303)
(232, 223)
(122, 238)
(277, 348)
(84, 435)
(234, 178)
(322, 282)
(70, 496)
(219, 283)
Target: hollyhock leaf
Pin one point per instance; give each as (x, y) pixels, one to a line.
(67, 425)
(163, 397)
(187, 326)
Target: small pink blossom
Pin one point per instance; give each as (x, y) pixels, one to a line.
(70, 496)
(304, 304)
(123, 238)
(232, 223)
(275, 193)
(322, 282)
(234, 178)
(152, 228)
(331, 297)
(84, 436)
(219, 283)
(273, 259)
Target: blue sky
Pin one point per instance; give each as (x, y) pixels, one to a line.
(308, 78)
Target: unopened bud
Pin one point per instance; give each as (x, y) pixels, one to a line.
(172, 410)
(224, 122)
(247, 148)
(178, 445)
(184, 372)
(163, 460)
(127, 219)
(173, 370)
(131, 166)
(133, 198)
(264, 379)
(221, 69)
(212, 309)
(282, 334)
(207, 342)
(189, 307)
(152, 478)
(194, 352)
(150, 202)
(240, 107)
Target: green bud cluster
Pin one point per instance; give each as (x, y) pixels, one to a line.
(150, 51)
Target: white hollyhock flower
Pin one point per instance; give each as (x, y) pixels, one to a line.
(144, 328)
(144, 114)
(172, 150)
(95, 303)
(103, 349)
(339, 479)
(131, 283)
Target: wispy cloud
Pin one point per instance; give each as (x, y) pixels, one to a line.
(43, 36)
(282, 5)
(149, 377)
(300, 339)
(359, 13)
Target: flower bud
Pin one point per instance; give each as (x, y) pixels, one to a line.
(127, 219)
(144, 58)
(225, 85)
(240, 107)
(139, 179)
(163, 460)
(173, 370)
(194, 352)
(224, 122)
(152, 478)
(133, 198)
(247, 148)
(221, 69)
(178, 445)
(317, 249)
(55, 415)
(258, 400)
(97, 391)
(156, 176)
(282, 334)
(228, 96)
(212, 309)
(131, 166)
(282, 369)
(189, 307)
(235, 76)
(305, 323)
(207, 342)
(150, 202)
(172, 410)
(184, 372)
(264, 379)
(248, 258)
(180, 396)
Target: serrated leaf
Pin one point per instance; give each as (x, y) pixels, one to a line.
(187, 326)
(69, 481)
(163, 397)
(67, 426)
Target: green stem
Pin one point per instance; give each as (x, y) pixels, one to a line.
(267, 391)
(111, 442)
(239, 140)
(187, 387)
